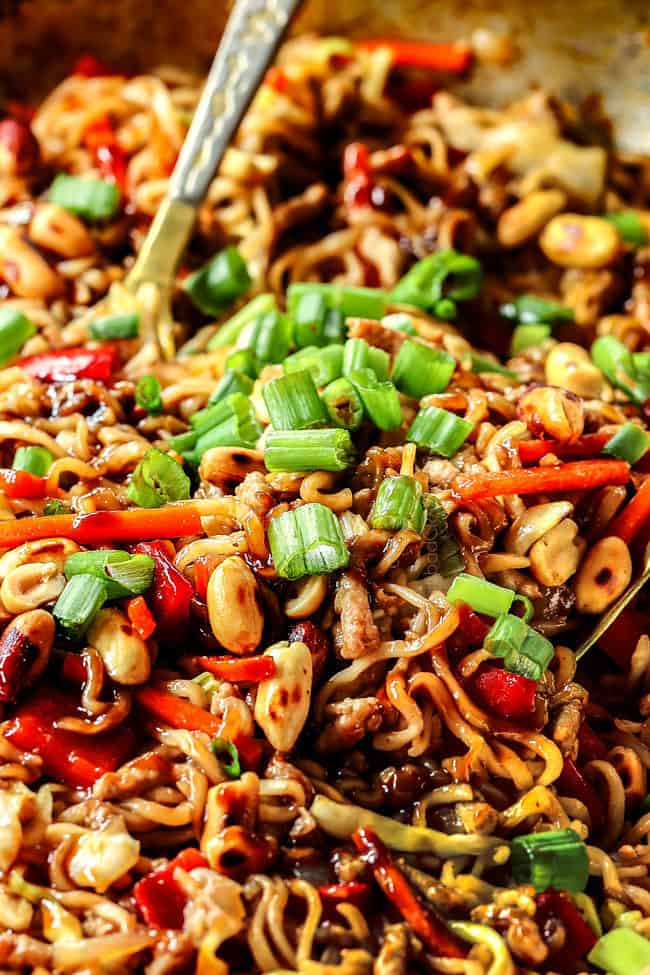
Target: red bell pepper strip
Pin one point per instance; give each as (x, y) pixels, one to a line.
(591, 445)
(423, 919)
(140, 617)
(170, 595)
(471, 630)
(178, 713)
(454, 56)
(103, 527)
(353, 892)
(65, 365)
(276, 79)
(90, 66)
(356, 172)
(159, 899)
(110, 158)
(554, 906)
(22, 484)
(573, 783)
(505, 693)
(621, 637)
(68, 757)
(580, 476)
(634, 516)
(591, 747)
(239, 670)
(73, 669)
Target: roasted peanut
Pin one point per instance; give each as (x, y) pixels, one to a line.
(102, 857)
(25, 648)
(282, 702)
(552, 412)
(125, 654)
(533, 523)
(572, 240)
(54, 550)
(25, 271)
(235, 616)
(29, 586)
(57, 230)
(527, 218)
(569, 366)
(605, 572)
(556, 556)
(19, 149)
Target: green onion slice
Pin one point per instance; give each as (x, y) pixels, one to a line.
(528, 336)
(92, 199)
(78, 604)
(532, 310)
(439, 431)
(401, 322)
(308, 315)
(556, 858)
(398, 505)
(231, 382)
(629, 373)
(629, 226)
(293, 402)
(219, 282)
(445, 275)
(244, 361)
(268, 338)
(36, 460)
(630, 442)
(157, 480)
(228, 756)
(307, 541)
(622, 952)
(358, 354)
(380, 399)
(482, 363)
(325, 365)
(343, 404)
(486, 597)
(15, 329)
(122, 574)
(349, 301)
(148, 394)
(115, 327)
(230, 331)
(308, 450)
(420, 369)
(440, 543)
(524, 651)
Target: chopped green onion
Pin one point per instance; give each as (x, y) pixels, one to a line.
(148, 394)
(358, 354)
(619, 366)
(229, 423)
(343, 404)
(122, 574)
(440, 543)
(231, 382)
(207, 681)
(420, 369)
(244, 361)
(307, 541)
(219, 282)
(439, 431)
(231, 330)
(528, 336)
(630, 442)
(114, 327)
(524, 651)
(36, 460)
(78, 604)
(445, 309)
(15, 329)
(380, 399)
(308, 319)
(293, 402)
(92, 199)
(532, 310)
(351, 302)
(401, 322)
(216, 413)
(622, 952)
(56, 507)
(556, 858)
(224, 749)
(334, 328)
(481, 363)
(267, 338)
(629, 226)
(398, 505)
(444, 275)
(325, 364)
(486, 597)
(308, 450)
(157, 480)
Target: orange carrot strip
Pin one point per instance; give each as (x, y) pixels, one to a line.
(531, 451)
(579, 476)
(634, 516)
(452, 56)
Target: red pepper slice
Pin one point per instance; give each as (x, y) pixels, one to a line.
(554, 906)
(22, 484)
(74, 759)
(352, 892)
(170, 595)
(72, 668)
(573, 783)
(90, 66)
(591, 747)
(471, 630)
(356, 172)
(108, 154)
(454, 56)
(580, 476)
(591, 445)
(276, 79)
(64, 365)
(621, 637)
(159, 899)
(510, 695)
(239, 670)
(140, 617)
(423, 919)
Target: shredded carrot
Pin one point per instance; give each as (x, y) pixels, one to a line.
(634, 516)
(245, 670)
(453, 56)
(579, 476)
(531, 451)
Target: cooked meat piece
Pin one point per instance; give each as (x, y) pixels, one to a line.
(359, 634)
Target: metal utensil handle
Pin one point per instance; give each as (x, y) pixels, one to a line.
(250, 40)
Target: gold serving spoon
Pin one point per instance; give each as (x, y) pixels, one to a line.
(250, 40)
(614, 611)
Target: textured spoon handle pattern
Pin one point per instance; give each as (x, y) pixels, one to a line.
(252, 36)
